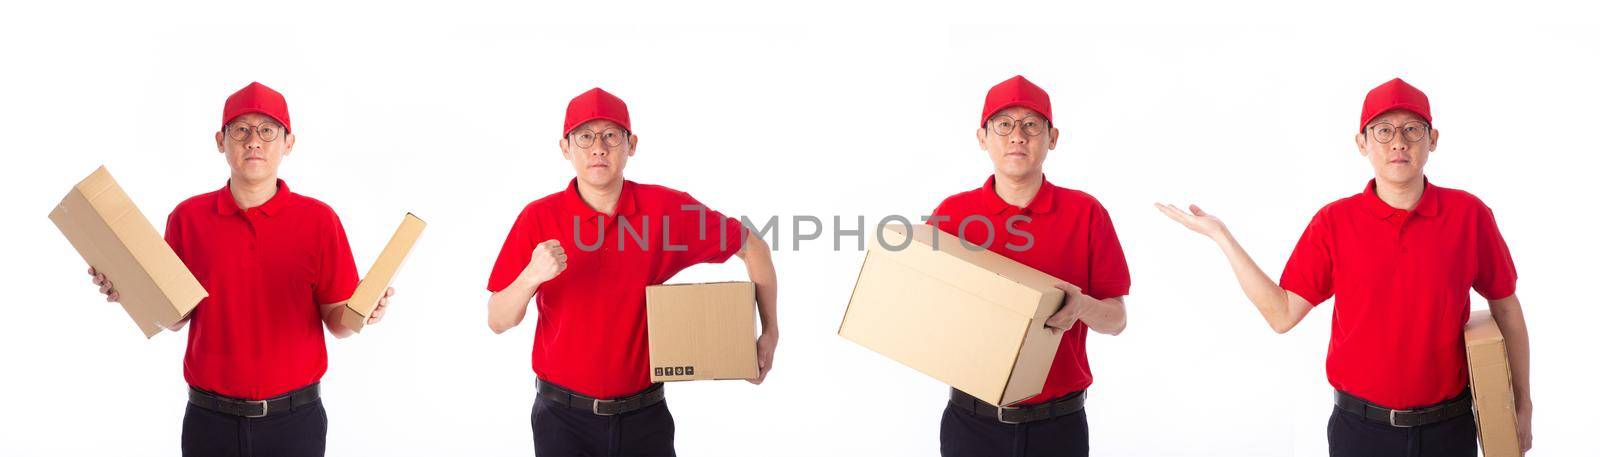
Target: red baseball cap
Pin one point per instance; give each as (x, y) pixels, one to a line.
(257, 98)
(595, 104)
(1393, 95)
(1017, 91)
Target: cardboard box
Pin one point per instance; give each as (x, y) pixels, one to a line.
(1493, 401)
(378, 278)
(702, 331)
(965, 316)
(105, 227)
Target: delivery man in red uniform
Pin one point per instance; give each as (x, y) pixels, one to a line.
(586, 254)
(1399, 259)
(276, 264)
(1063, 232)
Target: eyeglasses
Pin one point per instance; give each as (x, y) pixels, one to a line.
(1412, 131)
(1031, 126)
(266, 131)
(585, 138)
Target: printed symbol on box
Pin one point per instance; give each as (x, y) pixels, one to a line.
(675, 371)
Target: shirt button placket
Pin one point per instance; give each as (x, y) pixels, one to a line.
(1405, 219)
(1003, 236)
(250, 220)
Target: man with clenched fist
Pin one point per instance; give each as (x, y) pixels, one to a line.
(585, 255)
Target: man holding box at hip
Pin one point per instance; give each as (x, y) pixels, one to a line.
(277, 266)
(1059, 231)
(1398, 259)
(584, 255)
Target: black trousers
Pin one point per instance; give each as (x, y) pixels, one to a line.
(1350, 435)
(298, 433)
(964, 434)
(560, 431)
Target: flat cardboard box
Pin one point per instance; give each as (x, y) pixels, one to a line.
(105, 227)
(964, 315)
(378, 278)
(701, 331)
(1493, 401)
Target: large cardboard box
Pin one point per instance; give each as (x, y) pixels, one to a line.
(1493, 401)
(105, 227)
(959, 313)
(378, 278)
(702, 331)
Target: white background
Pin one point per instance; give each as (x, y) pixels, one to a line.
(844, 108)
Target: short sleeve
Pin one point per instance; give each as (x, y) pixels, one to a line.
(703, 235)
(336, 269)
(174, 233)
(1108, 267)
(940, 218)
(1309, 272)
(516, 251)
(1496, 276)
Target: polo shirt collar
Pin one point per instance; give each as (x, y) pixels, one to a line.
(226, 205)
(1042, 202)
(1428, 205)
(576, 206)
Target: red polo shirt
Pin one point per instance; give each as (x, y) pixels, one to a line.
(1399, 281)
(591, 332)
(1073, 240)
(267, 269)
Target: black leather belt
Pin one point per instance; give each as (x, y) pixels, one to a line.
(256, 408)
(1068, 404)
(1450, 409)
(566, 397)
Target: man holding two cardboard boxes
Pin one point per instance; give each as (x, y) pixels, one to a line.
(1062, 232)
(586, 255)
(278, 270)
(1399, 259)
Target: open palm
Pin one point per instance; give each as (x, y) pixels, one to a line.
(1195, 219)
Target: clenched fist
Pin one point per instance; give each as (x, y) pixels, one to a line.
(549, 259)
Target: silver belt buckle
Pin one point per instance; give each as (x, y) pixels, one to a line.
(1391, 418)
(263, 408)
(595, 407)
(1000, 414)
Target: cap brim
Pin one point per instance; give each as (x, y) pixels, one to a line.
(1021, 103)
(1414, 109)
(586, 120)
(286, 128)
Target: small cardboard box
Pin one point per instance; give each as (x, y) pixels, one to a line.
(701, 331)
(377, 280)
(964, 315)
(105, 227)
(1493, 401)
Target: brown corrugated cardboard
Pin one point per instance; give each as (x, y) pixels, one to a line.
(105, 227)
(373, 285)
(966, 316)
(701, 331)
(1492, 398)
